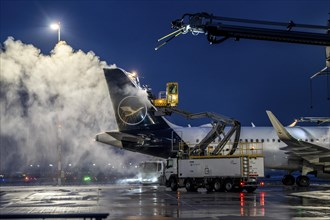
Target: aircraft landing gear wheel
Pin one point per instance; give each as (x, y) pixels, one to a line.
(190, 186)
(229, 186)
(288, 180)
(217, 185)
(173, 184)
(302, 181)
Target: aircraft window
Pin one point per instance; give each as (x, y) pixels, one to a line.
(257, 140)
(312, 140)
(240, 140)
(278, 140)
(197, 140)
(273, 140)
(262, 140)
(251, 140)
(246, 140)
(306, 140)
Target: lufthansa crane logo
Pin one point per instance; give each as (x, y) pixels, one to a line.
(131, 110)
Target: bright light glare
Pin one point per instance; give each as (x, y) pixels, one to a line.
(55, 26)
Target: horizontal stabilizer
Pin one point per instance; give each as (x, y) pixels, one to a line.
(105, 138)
(121, 136)
(115, 138)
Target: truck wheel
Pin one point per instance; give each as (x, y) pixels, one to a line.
(229, 186)
(217, 185)
(173, 184)
(190, 186)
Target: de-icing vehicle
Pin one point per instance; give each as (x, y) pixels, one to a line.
(209, 166)
(235, 172)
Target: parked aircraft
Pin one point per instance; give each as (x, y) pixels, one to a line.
(304, 149)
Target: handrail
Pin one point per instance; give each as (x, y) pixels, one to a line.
(244, 149)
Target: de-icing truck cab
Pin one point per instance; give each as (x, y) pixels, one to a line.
(236, 172)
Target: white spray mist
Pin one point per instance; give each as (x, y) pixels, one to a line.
(47, 100)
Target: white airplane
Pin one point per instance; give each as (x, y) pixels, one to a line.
(304, 149)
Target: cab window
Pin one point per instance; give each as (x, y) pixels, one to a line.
(169, 163)
(173, 89)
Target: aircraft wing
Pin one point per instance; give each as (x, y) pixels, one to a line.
(299, 148)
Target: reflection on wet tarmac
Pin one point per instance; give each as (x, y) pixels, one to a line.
(202, 204)
(252, 204)
(154, 202)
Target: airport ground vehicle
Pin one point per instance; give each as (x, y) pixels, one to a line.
(234, 172)
(152, 172)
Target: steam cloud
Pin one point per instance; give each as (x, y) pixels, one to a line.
(47, 100)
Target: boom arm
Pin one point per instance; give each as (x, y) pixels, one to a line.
(217, 31)
(218, 129)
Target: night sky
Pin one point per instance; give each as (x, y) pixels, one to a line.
(238, 79)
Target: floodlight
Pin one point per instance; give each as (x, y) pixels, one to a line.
(57, 26)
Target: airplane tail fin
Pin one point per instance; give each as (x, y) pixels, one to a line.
(132, 107)
(139, 129)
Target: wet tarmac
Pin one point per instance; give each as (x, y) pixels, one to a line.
(158, 202)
